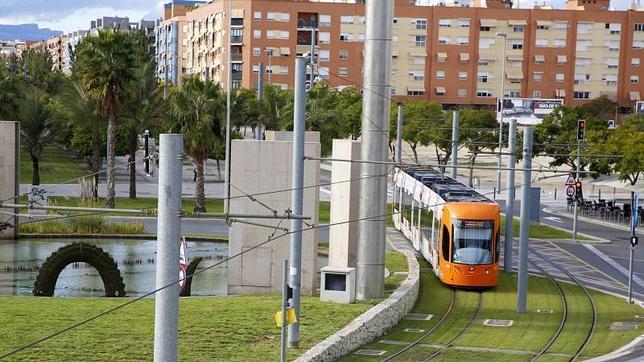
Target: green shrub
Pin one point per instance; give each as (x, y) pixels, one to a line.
(83, 225)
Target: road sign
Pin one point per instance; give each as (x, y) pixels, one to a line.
(570, 191)
(570, 180)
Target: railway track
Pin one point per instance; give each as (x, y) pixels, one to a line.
(452, 341)
(590, 299)
(450, 308)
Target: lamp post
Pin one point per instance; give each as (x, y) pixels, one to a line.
(505, 47)
(269, 70)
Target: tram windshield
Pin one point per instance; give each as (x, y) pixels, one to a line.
(472, 242)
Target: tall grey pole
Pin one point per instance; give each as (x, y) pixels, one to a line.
(312, 62)
(166, 303)
(576, 204)
(296, 196)
(509, 204)
(503, 61)
(284, 306)
(260, 97)
(455, 125)
(631, 251)
(229, 87)
(399, 133)
(375, 147)
(525, 219)
(146, 152)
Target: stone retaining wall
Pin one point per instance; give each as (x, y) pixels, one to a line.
(373, 323)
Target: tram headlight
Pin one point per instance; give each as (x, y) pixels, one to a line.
(486, 271)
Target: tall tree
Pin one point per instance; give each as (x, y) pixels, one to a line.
(275, 108)
(106, 64)
(10, 94)
(196, 108)
(420, 120)
(626, 142)
(477, 132)
(350, 104)
(35, 128)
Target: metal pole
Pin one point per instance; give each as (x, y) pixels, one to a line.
(455, 125)
(166, 303)
(375, 147)
(228, 92)
(631, 251)
(284, 306)
(576, 205)
(399, 133)
(509, 204)
(297, 196)
(498, 172)
(146, 152)
(312, 61)
(270, 66)
(525, 220)
(260, 97)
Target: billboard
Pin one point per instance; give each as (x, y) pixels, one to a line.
(639, 107)
(526, 110)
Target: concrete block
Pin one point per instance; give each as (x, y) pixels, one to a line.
(338, 285)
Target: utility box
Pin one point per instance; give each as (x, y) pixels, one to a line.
(338, 285)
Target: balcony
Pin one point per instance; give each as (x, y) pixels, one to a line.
(236, 57)
(237, 40)
(307, 20)
(236, 75)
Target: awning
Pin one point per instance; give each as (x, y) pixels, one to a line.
(514, 75)
(515, 58)
(441, 56)
(560, 93)
(561, 59)
(487, 56)
(489, 22)
(441, 90)
(464, 57)
(517, 22)
(417, 54)
(634, 96)
(412, 89)
(539, 58)
(544, 23)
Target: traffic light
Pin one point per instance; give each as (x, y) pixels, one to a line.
(581, 129)
(578, 192)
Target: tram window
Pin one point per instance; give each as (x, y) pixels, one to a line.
(445, 243)
(472, 241)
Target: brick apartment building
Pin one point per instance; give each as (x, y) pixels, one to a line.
(449, 54)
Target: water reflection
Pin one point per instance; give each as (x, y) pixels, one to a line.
(19, 262)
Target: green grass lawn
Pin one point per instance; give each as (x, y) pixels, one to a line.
(529, 333)
(233, 328)
(55, 166)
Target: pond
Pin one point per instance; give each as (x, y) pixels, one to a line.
(20, 260)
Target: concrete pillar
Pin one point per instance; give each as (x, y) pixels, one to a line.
(9, 175)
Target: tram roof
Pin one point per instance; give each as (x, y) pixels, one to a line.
(448, 188)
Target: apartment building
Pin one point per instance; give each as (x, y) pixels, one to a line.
(7, 48)
(69, 51)
(449, 54)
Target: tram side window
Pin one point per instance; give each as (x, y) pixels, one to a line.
(445, 243)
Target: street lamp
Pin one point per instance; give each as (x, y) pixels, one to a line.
(505, 47)
(269, 52)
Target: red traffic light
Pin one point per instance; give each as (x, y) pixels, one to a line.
(578, 184)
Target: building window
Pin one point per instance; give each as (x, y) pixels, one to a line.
(420, 40)
(581, 95)
(484, 28)
(346, 20)
(482, 77)
(417, 75)
(323, 55)
(324, 37)
(639, 27)
(609, 79)
(344, 54)
(463, 41)
(560, 43)
(345, 37)
(325, 20)
(257, 34)
(536, 94)
(343, 72)
(540, 43)
(635, 79)
(513, 94)
(637, 44)
(440, 74)
(257, 15)
(537, 76)
(484, 63)
(560, 77)
(415, 93)
(443, 40)
(392, 91)
(483, 93)
(518, 45)
(462, 75)
(421, 24)
(257, 52)
(462, 92)
(445, 23)
(635, 62)
(464, 23)
(517, 28)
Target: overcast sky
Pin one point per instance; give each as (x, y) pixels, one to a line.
(70, 15)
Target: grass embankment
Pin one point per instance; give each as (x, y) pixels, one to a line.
(55, 166)
(234, 328)
(530, 331)
(83, 225)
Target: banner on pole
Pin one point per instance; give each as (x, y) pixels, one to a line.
(183, 263)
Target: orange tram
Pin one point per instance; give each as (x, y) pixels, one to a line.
(455, 228)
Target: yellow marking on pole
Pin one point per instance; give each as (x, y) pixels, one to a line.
(290, 317)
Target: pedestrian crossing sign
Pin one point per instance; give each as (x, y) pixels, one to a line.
(290, 317)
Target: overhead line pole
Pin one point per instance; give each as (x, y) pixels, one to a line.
(229, 90)
(455, 124)
(525, 221)
(375, 148)
(399, 133)
(576, 210)
(509, 204)
(505, 47)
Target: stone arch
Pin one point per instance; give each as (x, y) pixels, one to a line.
(79, 253)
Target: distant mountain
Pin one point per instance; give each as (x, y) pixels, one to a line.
(26, 32)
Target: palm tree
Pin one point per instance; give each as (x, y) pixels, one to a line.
(144, 108)
(106, 64)
(196, 110)
(83, 112)
(275, 108)
(35, 128)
